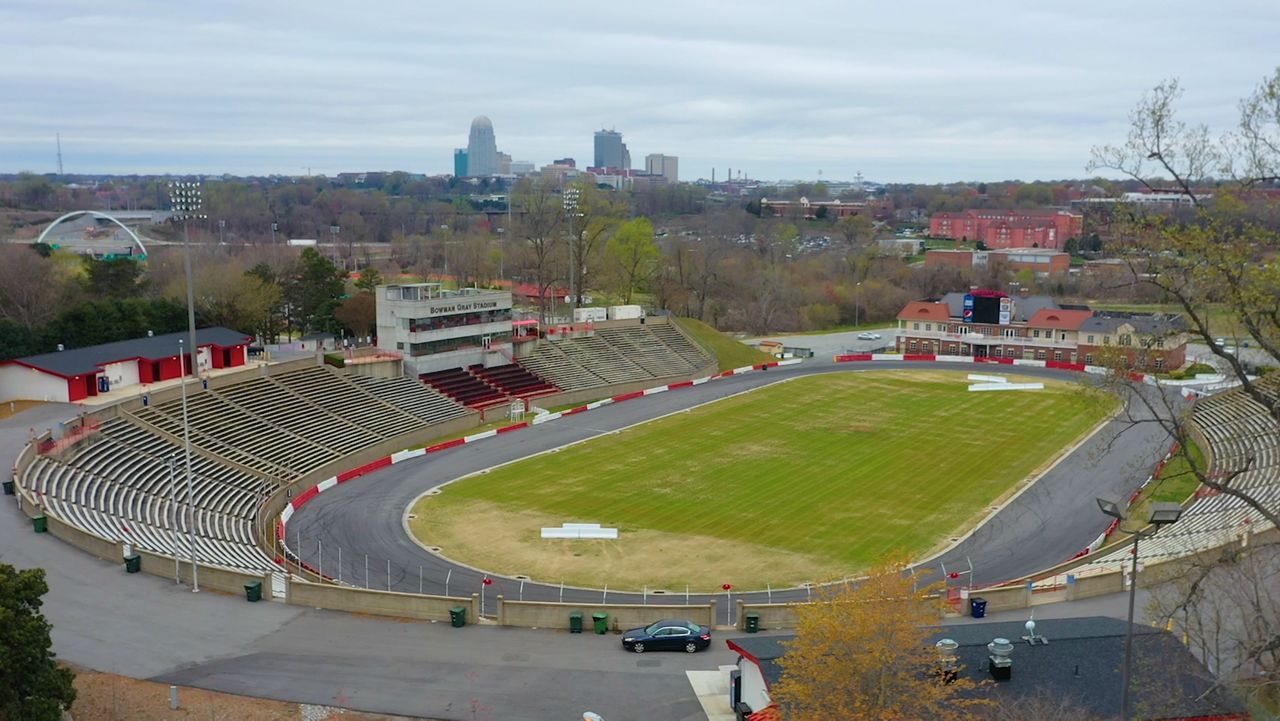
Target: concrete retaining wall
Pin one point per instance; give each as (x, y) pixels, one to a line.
(94, 545)
(381, 603)
(213, 578)
(1099, 585)
(539, 614)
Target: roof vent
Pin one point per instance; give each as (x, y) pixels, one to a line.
(1032, 638)
(61, 347)
(150, 333)
(999, 663)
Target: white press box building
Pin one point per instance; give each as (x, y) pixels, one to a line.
(437, 329)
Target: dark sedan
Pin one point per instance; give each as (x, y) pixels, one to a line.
(669, 634)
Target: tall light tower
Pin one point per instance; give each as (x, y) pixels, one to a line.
(187, 202)
(571, 195)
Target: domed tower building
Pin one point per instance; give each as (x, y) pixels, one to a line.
(482, 149)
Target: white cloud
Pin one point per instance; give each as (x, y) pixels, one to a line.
(921, 91)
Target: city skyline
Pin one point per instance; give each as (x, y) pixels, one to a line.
(1022, 93)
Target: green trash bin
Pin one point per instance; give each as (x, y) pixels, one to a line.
(253, 592)
(8, 488)
(753, 622)
(133, 563)
(601, 621)
(458, 616)
(575, 622)
(40, 523)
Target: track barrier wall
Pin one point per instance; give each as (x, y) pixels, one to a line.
(538, 614)
(379, 603)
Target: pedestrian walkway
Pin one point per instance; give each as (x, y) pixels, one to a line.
(712, 690)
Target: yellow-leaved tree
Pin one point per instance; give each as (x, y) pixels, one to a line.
(863, 650)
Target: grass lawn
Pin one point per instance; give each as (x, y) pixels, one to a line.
(805, 480)
(729, 352)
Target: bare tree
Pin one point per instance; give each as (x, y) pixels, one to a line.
(540, 228)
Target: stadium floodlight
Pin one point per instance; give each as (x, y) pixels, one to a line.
(571, 195)
(1161, 514)
(186, 200)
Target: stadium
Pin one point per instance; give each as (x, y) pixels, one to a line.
(415, 485)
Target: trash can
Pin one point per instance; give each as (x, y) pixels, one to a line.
(575, 622)
(601, 621)
(8, 488)
(253, 592)
(133, 563)
(458, 616)
(753, 623)
(978, 607)
(40, 523)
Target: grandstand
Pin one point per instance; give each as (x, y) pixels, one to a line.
(119, 487)
(614, 355)
(284, 426)
(1242, 437)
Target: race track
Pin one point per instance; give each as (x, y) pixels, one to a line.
(1045, 525)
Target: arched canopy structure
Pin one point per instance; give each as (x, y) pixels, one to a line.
(96, 214)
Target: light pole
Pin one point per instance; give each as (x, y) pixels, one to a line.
(571, 195)
(333, 235)
(1162, 514)
(222, 232)
(191, 503)
(274, 227)
(187, 202)
(173, 514)
(857, 300)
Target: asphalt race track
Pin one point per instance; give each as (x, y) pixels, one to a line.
(1046, 524)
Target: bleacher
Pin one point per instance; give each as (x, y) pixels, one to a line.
(616, 355)
(465, 388)
(120, 486)
(1244, 438)
(286, 425)
(515, 380)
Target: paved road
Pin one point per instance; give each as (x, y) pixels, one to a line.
(1046, 524)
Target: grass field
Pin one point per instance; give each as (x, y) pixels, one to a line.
(805, 480)
(729, 352)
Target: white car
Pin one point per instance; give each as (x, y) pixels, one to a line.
(868, 335)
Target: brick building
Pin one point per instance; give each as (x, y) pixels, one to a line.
(813, 209)
(999, 229)
(1036, 260)
(1038, 328)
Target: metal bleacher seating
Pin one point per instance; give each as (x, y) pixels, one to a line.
(616, 355)
(119, 486)
(1244, 439)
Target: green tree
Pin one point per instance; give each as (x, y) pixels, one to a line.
(634, 254)
(114, 278)
(856, 230)
(32, 685)
(313, 292)
(17, 340)
(369, 280)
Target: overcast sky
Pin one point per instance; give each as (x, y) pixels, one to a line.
(902, 91)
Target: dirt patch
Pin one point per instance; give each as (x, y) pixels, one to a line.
(485, 535)
(108, 697)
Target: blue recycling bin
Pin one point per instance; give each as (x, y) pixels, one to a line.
(978, 607)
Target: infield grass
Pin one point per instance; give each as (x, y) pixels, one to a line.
(804, 480)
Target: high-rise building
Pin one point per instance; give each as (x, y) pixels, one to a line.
(459, 163)
(521, 167)
(482, 149)
(504, 164)
(665, 165)
(611, 152)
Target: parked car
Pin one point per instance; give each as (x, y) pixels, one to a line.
(669, 634)
(868, 335)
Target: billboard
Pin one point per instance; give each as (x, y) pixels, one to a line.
(967, 316)
(1006, 310)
